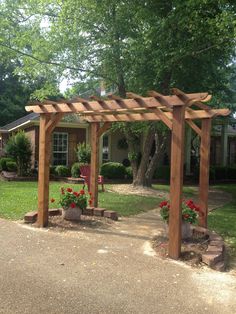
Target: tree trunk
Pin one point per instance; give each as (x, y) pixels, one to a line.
(139, 179)
(160, 144)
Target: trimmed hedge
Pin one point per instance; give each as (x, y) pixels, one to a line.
(11, 166)
(3, 163)
(62, 171)
(113, 170)
(218, 173)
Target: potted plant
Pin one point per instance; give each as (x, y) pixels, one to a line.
(73, 203)
(190, 214)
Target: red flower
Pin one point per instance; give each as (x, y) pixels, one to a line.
(69, 190)
(90, 202)
(90, 193)
(186, 216)
(72, 205)
(52, 200)
(163, 203)
(76, 193)
(82, 192)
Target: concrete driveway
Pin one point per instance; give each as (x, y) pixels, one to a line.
(104, 270)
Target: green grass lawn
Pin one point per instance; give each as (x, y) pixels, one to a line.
(223, 220)
(18, 198)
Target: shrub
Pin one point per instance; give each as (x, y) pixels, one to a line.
(3, 163)
(75, 169)
(129, 173)
(62, 171)
(52, 169)
(83, 152)
(162, 172)
(11, 166)
(113, 170)
(19, 148)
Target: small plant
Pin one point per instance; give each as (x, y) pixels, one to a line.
(19, 148)
(73, 199)
(11, 166)
(3, 163)
(62, 171)
(190, 211)
(83, 152)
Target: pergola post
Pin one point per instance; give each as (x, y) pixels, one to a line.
(43, 173)
(204, 170)
(176, 182)
(94, 162)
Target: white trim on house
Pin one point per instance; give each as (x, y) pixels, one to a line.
(61, 152)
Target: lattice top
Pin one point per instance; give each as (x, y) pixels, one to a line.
(134, 108)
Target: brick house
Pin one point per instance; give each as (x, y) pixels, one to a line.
(67, 135)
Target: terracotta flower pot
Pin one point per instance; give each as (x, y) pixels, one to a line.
(73, 214)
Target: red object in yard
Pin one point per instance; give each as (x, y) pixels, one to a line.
(85, 174)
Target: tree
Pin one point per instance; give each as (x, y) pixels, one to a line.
(133, 45)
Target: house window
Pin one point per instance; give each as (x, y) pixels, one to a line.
(60, 149)
(105, 148)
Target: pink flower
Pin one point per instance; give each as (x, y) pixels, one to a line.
(72, 205)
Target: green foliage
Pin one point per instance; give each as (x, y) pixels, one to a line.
(113, 170)
(70, 198)
(11, 166)
(19, 148)
(83, 153)
(3, 163)
(62, 171)
(129, 172)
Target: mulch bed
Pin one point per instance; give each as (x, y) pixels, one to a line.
(191, 249)
(57, 223)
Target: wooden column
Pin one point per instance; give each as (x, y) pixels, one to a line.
(94, 162)
(43, 174)
(204, 170)
(176, 182)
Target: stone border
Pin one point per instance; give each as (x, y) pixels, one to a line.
(214, 256)
(31, 217)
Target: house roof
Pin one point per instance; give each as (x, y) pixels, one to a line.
(70, 119)
(18, 122)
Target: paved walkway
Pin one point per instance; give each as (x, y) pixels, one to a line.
(110, 269)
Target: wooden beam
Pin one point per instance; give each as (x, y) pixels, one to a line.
(56, 118)
(94, 162)
(150, 116)
(43, 174)
(194, 127)
(204, 170)
(176, 182)
(205, 97)
(106, 126)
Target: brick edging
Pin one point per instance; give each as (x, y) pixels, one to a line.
(214, 256)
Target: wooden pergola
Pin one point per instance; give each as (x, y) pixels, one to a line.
(173, 110)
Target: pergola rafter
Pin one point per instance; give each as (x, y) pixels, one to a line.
(172, 110)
